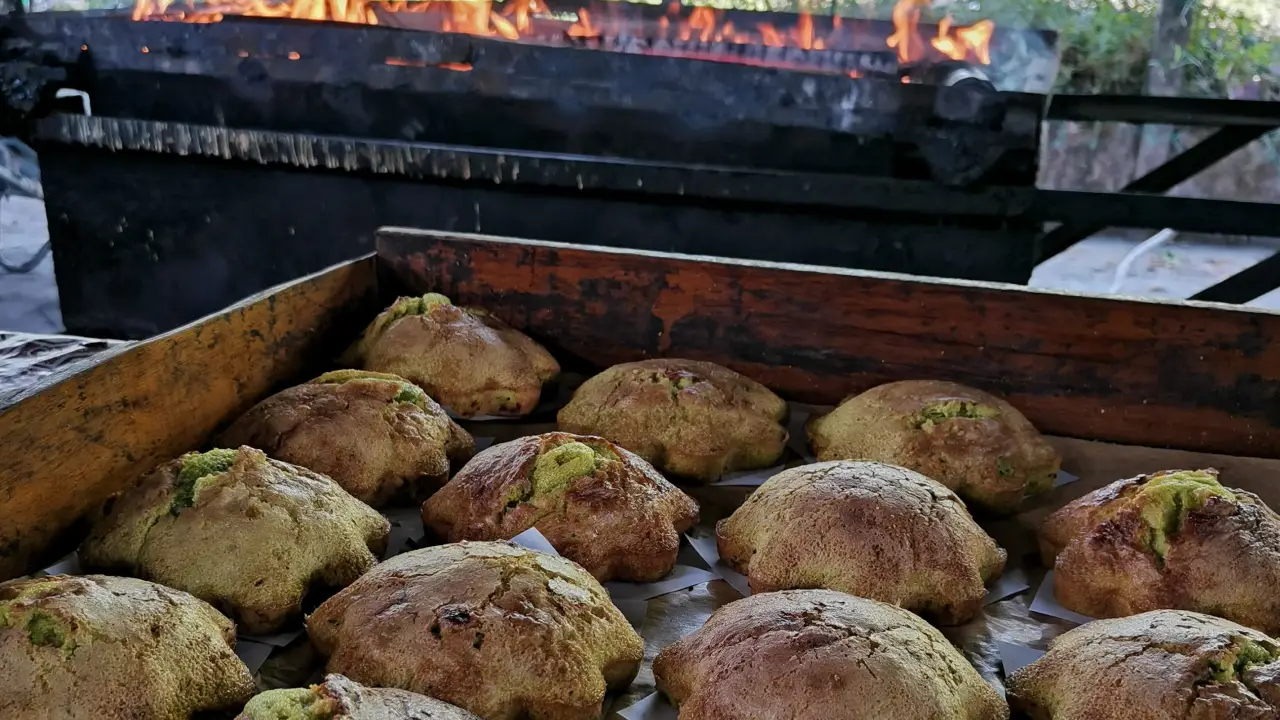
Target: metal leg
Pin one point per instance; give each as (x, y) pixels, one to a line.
(1160, 179)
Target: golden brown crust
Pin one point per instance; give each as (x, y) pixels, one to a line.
(500, 630)
(622, 520)
(470, 361)
(820, 655)
(93, 647)
(867, 529)
(971, 441)
(696, 420)
(1221, 557)
(257, 537)
(1162, 665)
(376, 447)
(340, 698)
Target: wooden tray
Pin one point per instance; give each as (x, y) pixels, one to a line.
(1193, 376)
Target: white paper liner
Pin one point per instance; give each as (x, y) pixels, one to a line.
(680, 577)
(279, 640)
(406, 527)
(1064, 478)
(710, 554)
(253, 654)
(798, 441)
(635, 611)
(69, 565)
(1012, 582)
(1046, 604)
(1014, 657)
(535, 540)
(749, 478)
(650, 707)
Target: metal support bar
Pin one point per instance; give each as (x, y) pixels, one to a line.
(1245, 285)
(1153, 110)
(1160, 179)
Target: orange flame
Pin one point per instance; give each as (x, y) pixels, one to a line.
(515, 19)
(971, 41)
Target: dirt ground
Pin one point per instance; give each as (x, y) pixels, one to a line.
(29, 302)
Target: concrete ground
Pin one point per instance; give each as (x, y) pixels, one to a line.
(29, 302)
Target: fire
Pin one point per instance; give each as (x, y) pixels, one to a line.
(973, 41)
(515, 19)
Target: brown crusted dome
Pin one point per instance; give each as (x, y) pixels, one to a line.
(239, 530)
(971, 441)
(693, 419)
(1162, 665)
(498, 629)
(821, 655)
(95, 647)
(470, 361)
(1176, 539)
(599, 505)
(864, 528)
(378, 436)
(339, 698)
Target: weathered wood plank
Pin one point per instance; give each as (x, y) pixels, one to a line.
(1194, 376)
(75, 438)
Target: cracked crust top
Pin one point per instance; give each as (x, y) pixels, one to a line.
(470, 361)
(971, 441)
(378, 436)
(864, 528)
(599, 505)
(498, 629)
(696, 420)
(239, 530)
(817, 655)
(339, 698)
(90, 647)
(1162, 665)
(1175, 539)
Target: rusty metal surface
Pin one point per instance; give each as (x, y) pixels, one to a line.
(25, 358)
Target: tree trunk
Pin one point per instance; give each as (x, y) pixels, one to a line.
(1173, 29)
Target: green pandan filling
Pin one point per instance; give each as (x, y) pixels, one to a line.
(289, 704)
(199, 470)
(556, 468)
(1165, 501)
(408, 393)
(1244, 655)
(45, 629)
(931, 415)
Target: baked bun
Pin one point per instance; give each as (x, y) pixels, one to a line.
(378, 436)
(235, 528)
(106, 647)
(692, 419)
(864, 528)
(1154, 666)
(1176, 540)
(971, 441)
(598, 504)
(498, 629)
(821, 655)
(338, 698)
(468, 360)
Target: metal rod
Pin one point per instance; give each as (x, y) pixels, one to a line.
(1152, 110)
(674, 182)
(1158, 180)
(1246, 285)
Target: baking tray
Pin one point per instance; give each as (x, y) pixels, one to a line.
(1122, 386)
